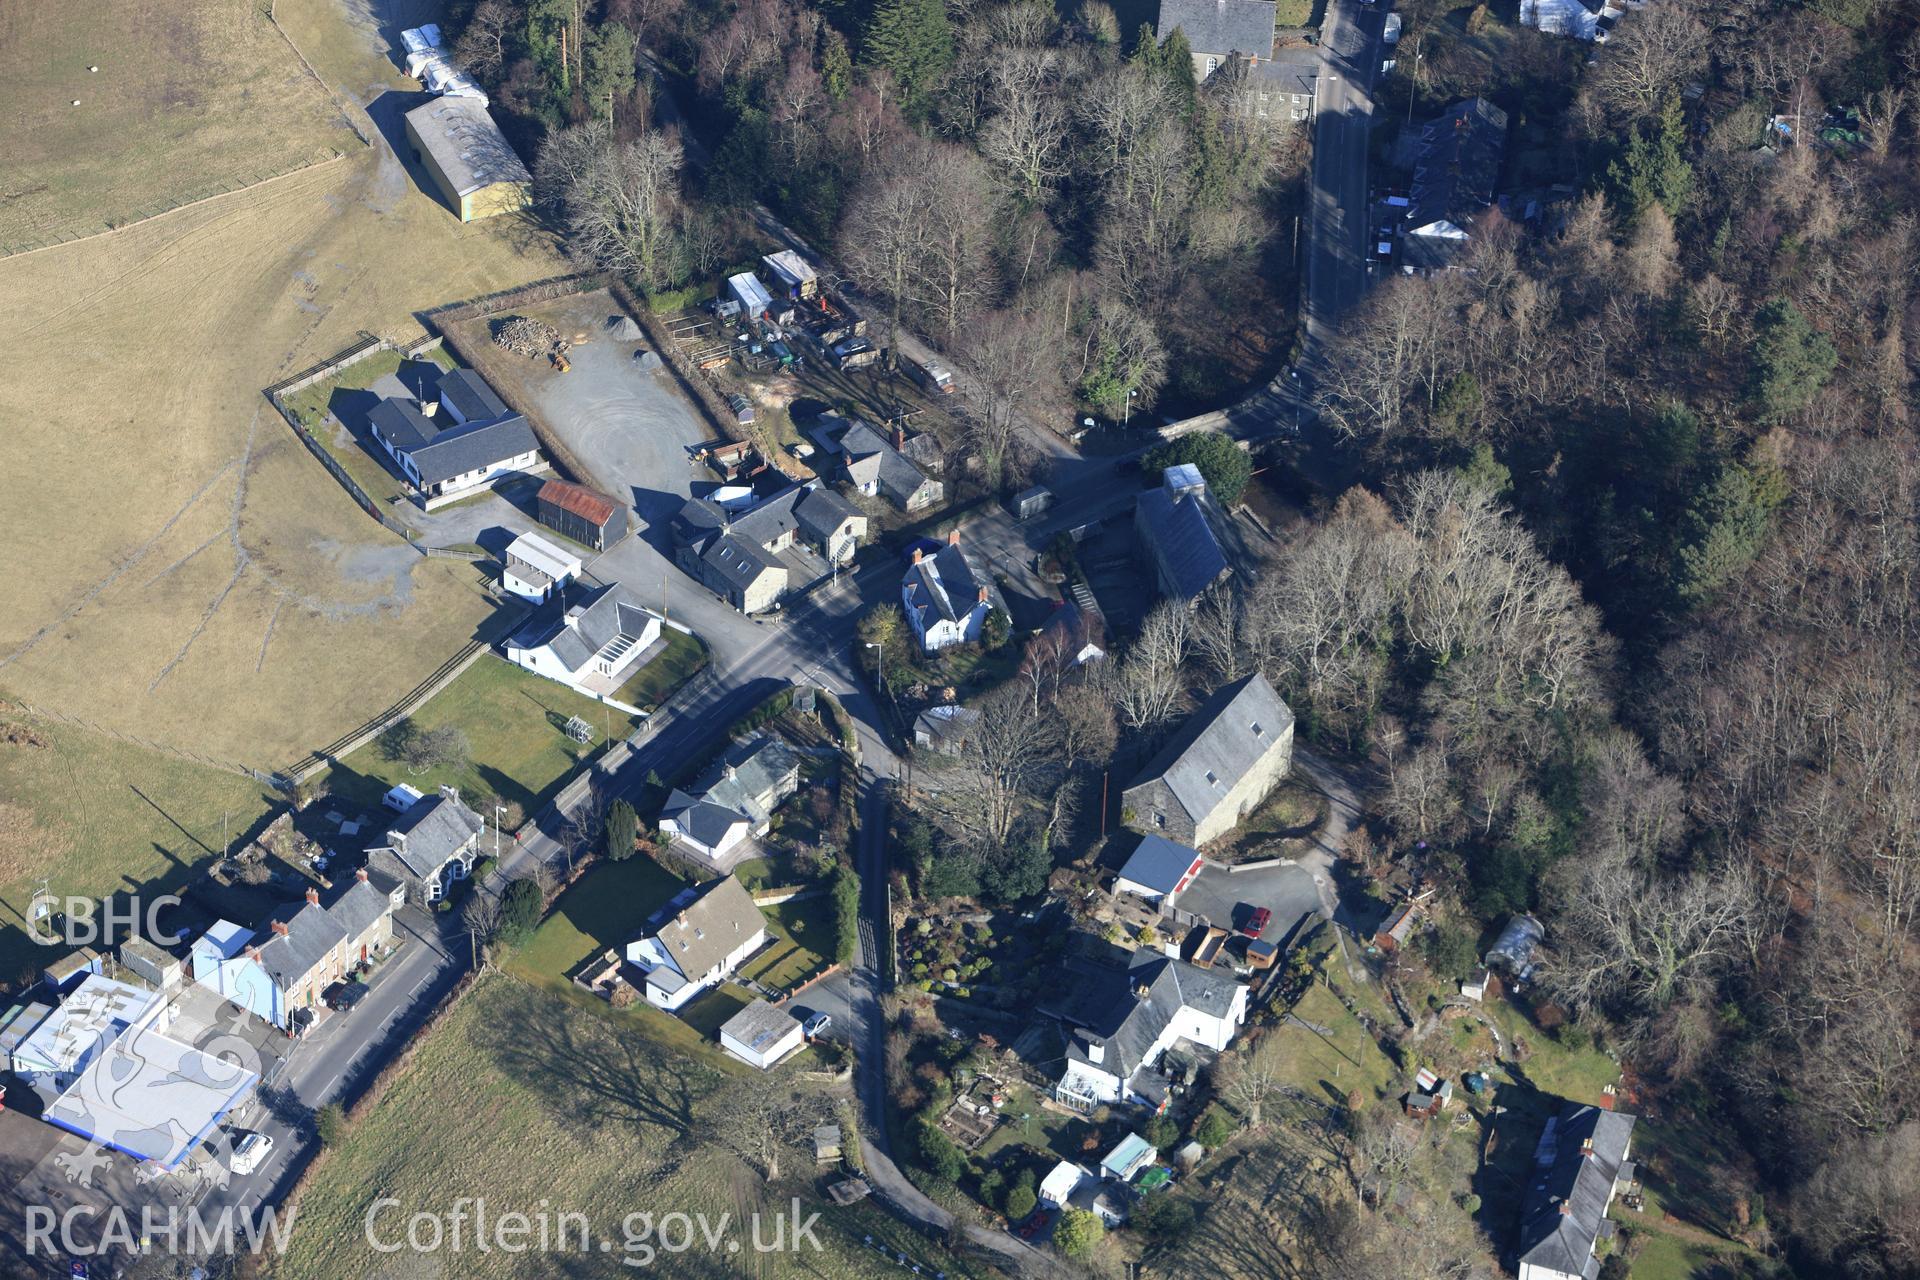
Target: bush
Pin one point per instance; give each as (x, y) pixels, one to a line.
(623, 826)
(520, 908)
(938, 1154)
(1450, 952)
(1021, 1202)
(1214, 1128)
(1224, 466)
(846, 915)
(1078, 1233)
(1161, 1132)
(1163, 1217)
(330, 1122)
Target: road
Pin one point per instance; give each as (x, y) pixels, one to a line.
(1337, 214)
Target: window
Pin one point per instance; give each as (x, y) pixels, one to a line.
(1213, 779)
(1213, 64)
(1159, 819)
(1257, 730)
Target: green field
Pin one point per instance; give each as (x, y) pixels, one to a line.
(542, 1104)
(1329, 1067)
(93, 815)
(513, 721)
(665, 671)
(605, 909)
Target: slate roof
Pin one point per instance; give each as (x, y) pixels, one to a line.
(941, 725)
(470, 395)
(1220, 26)
(1569, 1188)
(710, 927)
(466, 145)
(1219, 743)
(736, 546)
(433, 830)
(946, 586)
(1457, 164)
(872, 459)
(594, 507)
(358, 908)
(611, 613)
(758, 765)
(1179, 533)
(760, 1026)
(401, 423)
(1130, 1024)
(311, 934)
(472, 448)
(1159, 863)
(699, 818)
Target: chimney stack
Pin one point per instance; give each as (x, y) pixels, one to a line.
(916, 555)
(1096, 1050)
(280, 927)
(983, 595)
(361, 875)
(313, 896)
(953, 538)
(899, 437)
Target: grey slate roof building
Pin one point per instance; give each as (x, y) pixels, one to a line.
(947, 596)
(878, 465)
(737, 555)
(1222, 763)
(745, 785)
(1454, 175)
(1580, 1162)
(1176, 525)
(1220, 27)
(711, 927)
(578, 631)
(471, 399)
(1120, 1018)
(1159, 866)
(435, 831)
(474, 435)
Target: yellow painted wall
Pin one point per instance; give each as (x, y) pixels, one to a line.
(501, 197)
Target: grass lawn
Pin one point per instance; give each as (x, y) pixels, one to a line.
(513, 721)
(1330, 1066)
(665, 671)
(1027, 1124)
(542, 1104)
(1665, 1257)
(708, 1012)
(605, 909)
(1294, 13)
(95, 816)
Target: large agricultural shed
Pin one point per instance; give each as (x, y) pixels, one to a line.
(470, 160)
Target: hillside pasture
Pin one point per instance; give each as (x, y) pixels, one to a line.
(192, 98)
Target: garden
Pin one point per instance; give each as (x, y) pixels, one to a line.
(1001, 959)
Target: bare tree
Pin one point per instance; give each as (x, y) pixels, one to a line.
(1219, 631)
(1651, 55)
(619, 203)
(1000, 761)
(1147, 686)
(1025, 136)
(884, 233)
(1013, 360)
(482, 46)
(1252, 1078)
(480, 917)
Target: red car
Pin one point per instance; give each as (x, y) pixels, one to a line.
(1257, 922)
(1036, 1224)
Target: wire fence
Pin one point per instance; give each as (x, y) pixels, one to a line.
(179, 753)
(368, 345)
(314, 761)
(146, 212)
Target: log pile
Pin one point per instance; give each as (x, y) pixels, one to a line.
(528, 337)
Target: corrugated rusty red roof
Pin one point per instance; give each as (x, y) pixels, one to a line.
(580, 500)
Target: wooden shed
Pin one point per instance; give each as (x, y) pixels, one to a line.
(586, 515)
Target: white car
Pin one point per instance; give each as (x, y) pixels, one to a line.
(250, 1153)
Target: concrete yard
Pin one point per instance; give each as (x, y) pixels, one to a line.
(631, 429)
(1227, 898)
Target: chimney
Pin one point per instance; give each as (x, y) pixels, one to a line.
(1566, 1209)
(899, 437)
(983, 595)
(573, 617)
(916, 555)
(313, 896)
(451, 793)
(953, 539)
(1096, 1050)
(399, 839)
(732, 773)
(280, 927)
(681, 919)
(429, 407)
(361, 875)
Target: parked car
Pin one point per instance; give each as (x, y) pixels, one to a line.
(1257, 922)
(1036, 1224)
(250, 1152)
(816, 1026)
(342, 996)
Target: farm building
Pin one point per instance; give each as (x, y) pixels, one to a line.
(760, 1034)
(1399, 924)
(752, 296)
(476, 170)
(534, 568)
(587, 516)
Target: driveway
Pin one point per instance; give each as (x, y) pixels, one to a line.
(1227, 898)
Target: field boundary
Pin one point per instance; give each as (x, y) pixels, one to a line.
(366, 346)
(346, 117)
(450, 670)
(264, 776)
(145, 216)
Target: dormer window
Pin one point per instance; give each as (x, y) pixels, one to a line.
(1257, 730)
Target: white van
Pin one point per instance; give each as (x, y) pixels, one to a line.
(250, 1153)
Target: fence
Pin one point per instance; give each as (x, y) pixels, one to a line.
(179, 753)
(144, 213)
(315, 761)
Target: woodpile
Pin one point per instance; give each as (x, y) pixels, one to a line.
(527, 337)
